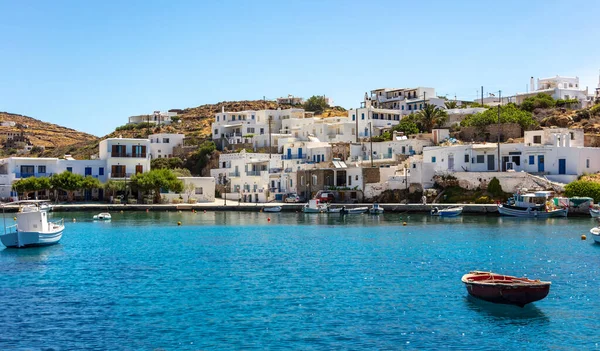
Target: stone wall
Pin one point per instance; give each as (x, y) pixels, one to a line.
(591, 140)
(490, 133)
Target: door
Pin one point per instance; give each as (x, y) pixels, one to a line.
(289, 154)
(300, 153)
(490, 162)
(540, 163)
(139, 169)
(562, 166)
(505, 160)
(451, 162)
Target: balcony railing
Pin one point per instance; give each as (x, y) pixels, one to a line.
(124, 154)
(253, 173)
(119, 175)
(37, 175)
(234, 174)
(292, 157)
(275, 170)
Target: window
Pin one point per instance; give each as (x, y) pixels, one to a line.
(404, 149)
(409, 107)
(356, 177)
(480, 158)
(466, 158)
(414, 165)
(233, 118)
(362, 116)
(432, 159)
(587, 163)
(88, 171)
(27, 171)
(198, 191)
(217, 118)
(402, 107)
(572, 136)
(216, 131)
(70, 169)
(420, 106)
(349, 180)
(353, 117)
(101, 171)
(537, 139)
(42, 169)
(252, 116)
(262, 131)
(250, 130)
(531, 159)
(166, 140)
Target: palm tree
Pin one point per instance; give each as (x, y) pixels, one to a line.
(451, 104)
(431, 116)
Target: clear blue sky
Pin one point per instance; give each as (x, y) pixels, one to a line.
(89, 65)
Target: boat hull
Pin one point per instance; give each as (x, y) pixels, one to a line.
(313, 210)
(31, 239)
(272, 209)
(512, 212)
(594, 213)
(595, 234)
(376, 211)
(504, 289)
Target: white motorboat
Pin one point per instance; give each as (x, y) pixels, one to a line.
(447, 212)
(334, 209)
(104, 216)
(272, 209)
(595, 234)
(532, 205)
(376, 209)
(32, 228)
(314, 206)
(356, 210)
(595, 212)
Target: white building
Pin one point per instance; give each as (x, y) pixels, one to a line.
(557, 154)
(125, 156)
(157, 117)
(161, 145)
(290, 100)
(250, 177)
(558, 87)
(405, 100)
(195, 189)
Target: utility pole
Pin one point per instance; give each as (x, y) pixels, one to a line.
(482, 95)
(270, 119)
(356, 119)
(371, 139)
(499, 162)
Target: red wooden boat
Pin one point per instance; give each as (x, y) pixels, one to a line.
(505, 289)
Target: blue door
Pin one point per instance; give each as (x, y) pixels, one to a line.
(562, 166)
(289, 154)
(540, 163)
(300, 153)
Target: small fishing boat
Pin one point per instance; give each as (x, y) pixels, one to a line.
(595, 234)
(595, 212)
(272, 209)
(335, 209)
(314, 206)
(104, 216)
(532, 205)
(32, 228)
(376, 209)
(357, 210)
(447, 212)
(505, 289)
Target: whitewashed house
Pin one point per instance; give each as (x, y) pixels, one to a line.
(162, 145)
(195, 190)
(125, 157)
(157, 117)
(559, 87)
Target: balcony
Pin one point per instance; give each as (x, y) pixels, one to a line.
(275, 170)
(37, 175)
(292, 157)
(253, 173)
(124, 154)
(234, 174)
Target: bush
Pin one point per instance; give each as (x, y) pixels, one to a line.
(539, 101)
(483, 200)
(595, 110)
(583, 188)
(508, 114)
(495, 188)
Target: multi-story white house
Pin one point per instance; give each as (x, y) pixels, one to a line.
(125, 156)
(251, 126)
(157, 117)
(161, 145)
(558, 87)
(405, 100)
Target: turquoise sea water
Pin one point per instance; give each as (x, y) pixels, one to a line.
(234, 281)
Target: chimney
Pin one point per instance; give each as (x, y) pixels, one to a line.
(222, 109)
(531, 85)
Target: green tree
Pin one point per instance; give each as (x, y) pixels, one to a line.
(199, 158)
(451, 104)
(316, 104)
(495, 188)
(541, 100)
(508, 114)
(113, 186)
(431, 116)
(90, 182)
(408, 125)
(583, 188)
(67, 181)
(155, 180)
(182, 172)
(27, 185)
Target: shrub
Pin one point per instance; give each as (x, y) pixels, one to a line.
(483, 200)
(539, 101)
(583, 188)
(595, 110)
(495, 188)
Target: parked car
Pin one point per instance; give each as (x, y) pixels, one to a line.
(292, 198)
(326, 197)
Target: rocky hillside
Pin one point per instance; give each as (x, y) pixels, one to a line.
(586, 119)
(44, 134)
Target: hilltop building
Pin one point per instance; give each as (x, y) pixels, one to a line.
(157, 117)
(559, 87)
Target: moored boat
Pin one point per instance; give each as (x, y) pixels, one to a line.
(104, 216)
(356, 210)
(447, 212)
(376, 209)
(272, 209)
(532, 205)
(314, 206)
(32, 228)
(505, 289)
(595, 212)
(595, 234)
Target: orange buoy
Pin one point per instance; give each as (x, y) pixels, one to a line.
(269, 219)
(178, 223)
(404, 224)
(583, 237)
